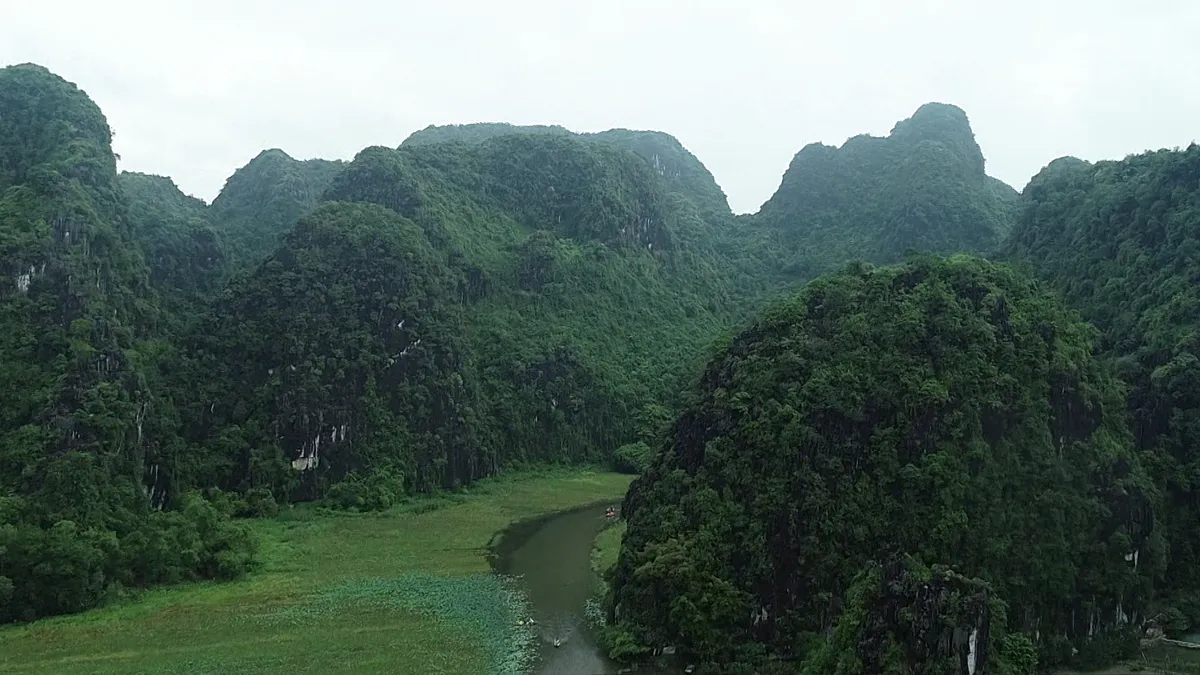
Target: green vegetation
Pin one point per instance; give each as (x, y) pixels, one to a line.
(885, 460)
(262, 200)
(922, 187)
(541, 232)
(941, 408)
(79, 409)
(608, 545)
(1121, 240)
(682, 172)
(315, 361)
(885, 625)
(407, 590)
(352, 333)
(185, 253)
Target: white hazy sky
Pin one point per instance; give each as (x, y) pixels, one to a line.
(195, 89)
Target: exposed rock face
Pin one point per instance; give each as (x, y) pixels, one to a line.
(934, 621)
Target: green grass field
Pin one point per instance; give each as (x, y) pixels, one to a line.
(607, 548)
(409, 591)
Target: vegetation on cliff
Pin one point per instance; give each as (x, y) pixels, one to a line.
(437, 314)
(340, 354)
(903, 617)
(79, 426)
(939, 408)
(1121, 241)
(590, 292)
(262, 200)
(922, 187)
(863, 462)
(184, 251)
(683, 173)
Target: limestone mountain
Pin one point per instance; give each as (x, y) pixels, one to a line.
(262, 200)
(922, 187)
(179, 241)
(478, 132)
(339, 354)
(681, 171)
(73, 280)
(1121, 241)
(941, 408)
(586, 292)
(81, 423)
(848, 480)
(901, 615)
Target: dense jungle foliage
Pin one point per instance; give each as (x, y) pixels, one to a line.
(79, 406)
(348, 332)
(683, 173)
(1121, 241)
(943, 409)
(262, 200)
(185, 252)
(850, 481)
(903, 617)
(922, 187)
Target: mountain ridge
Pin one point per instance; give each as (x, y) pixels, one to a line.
(489, 297)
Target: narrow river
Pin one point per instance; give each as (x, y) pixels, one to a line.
(553, 558)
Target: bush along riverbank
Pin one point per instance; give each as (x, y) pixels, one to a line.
(604, 558)
(406, 590)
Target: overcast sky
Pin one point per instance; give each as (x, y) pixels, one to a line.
(196, 89)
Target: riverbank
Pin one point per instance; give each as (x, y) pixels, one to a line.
(409, 590)
(605, 551)
(1160, 658)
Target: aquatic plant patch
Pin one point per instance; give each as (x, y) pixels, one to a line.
(491, 606)
(300, 613)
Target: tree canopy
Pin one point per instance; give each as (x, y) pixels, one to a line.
(921, 187)
(1121, 241)
(841, 463)
(941, 408)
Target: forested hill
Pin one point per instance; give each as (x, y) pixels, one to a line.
(490, 297)
(562, 292)
(680, 170)
(193, 247)
(416, 319)
(877, 425)
(922, 187)
(551, 298)
(262, 200)
(184, 249)
(478, 132)
(1121, 241)
(1037, 427)
(82, 421)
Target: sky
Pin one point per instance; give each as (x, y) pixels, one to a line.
(195, 90)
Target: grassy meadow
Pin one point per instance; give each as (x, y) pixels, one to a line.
(1156, 659)
(407, 591)
(607, 548)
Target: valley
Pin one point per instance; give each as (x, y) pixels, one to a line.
(410, 590)
(903, 418)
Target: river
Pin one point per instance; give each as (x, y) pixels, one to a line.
(552, 557)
